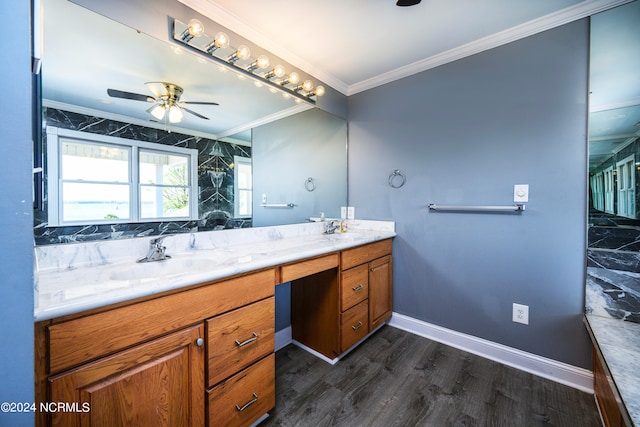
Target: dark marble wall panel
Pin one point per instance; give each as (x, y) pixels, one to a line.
(613, 267)
(215, 202)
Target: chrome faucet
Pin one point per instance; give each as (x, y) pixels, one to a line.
(156, 251)
(331, 227)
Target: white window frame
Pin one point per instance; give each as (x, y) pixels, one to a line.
(55, 137)
(237, 160)
(626, 182)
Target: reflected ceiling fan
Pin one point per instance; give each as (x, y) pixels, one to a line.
(166, 99)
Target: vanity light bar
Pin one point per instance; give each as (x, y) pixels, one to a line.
(219, 49)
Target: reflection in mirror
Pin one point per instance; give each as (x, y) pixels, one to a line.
(96, 76)
(613, 283)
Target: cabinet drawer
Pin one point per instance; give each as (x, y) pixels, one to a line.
(354, 324)
(125, 326)
(354, 286)
(237, 339)
(362, 254)
(245, 397)
(307, 268)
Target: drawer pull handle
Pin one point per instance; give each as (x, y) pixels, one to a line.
(358, 288)
(252, 339)
(249, 403)
(199, 342)
(356, 327)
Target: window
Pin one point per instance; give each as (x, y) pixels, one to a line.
(102, 179)
(243, 189)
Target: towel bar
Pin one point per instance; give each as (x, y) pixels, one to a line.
(461, 208)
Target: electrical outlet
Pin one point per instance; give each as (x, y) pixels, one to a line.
(521, 313)
(264, 198)
(343, 212)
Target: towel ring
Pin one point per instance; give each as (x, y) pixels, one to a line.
(309, 184)
(394, 182)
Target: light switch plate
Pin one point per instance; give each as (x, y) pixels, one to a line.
(343, 212)
(521, 193)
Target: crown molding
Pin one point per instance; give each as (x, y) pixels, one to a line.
(535, 26)
(572, 13)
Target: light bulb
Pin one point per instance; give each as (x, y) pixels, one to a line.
(158, 112)
(278, 71)
(294, 78)
(194, 29)
(175, 114)
(307, 85)
(220, 41)
(243, 52)
(319, 91)
(263, 61)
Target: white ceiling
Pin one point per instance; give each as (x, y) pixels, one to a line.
(358, 44)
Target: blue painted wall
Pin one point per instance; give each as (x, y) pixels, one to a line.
(16, 250)
(465, 133)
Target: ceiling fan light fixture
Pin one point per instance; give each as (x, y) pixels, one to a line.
(175, 114)
(158, 111)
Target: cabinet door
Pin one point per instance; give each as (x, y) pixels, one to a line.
(159, 383)
(380, 291)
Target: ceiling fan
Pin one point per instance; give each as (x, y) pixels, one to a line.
(166, 99)
(407, 2)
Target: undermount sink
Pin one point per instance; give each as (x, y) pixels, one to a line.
(168, 267)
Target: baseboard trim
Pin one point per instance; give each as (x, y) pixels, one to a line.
(283, 338)
(572, 376)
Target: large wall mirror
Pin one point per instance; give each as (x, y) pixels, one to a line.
(613, 279)
(250, 146)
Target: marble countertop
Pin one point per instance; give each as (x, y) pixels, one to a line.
(619, 343)
(78, 277)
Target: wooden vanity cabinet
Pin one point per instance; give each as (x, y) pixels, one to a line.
(332, 310)
(606, 394)
(159, 361)
(365, 267)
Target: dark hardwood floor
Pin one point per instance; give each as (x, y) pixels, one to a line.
(396, 378)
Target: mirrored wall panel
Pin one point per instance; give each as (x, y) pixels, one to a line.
(613, 270)
(177, 124)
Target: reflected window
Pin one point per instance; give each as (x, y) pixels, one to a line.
(99, 179)
(243, 187)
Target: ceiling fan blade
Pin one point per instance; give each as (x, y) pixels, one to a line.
(158, 89)
(198, 103)
(407, 2)
(114, 93)
(194, 113)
